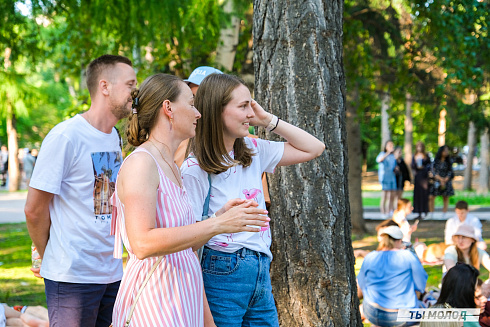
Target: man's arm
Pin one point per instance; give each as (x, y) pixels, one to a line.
(37, 217)
(448, 232)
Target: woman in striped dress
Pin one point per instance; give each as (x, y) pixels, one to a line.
(153, 216)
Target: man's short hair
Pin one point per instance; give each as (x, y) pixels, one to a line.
(462, 205)
(97, 66)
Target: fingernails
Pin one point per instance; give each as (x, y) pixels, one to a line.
(268, 219)
(266, 212)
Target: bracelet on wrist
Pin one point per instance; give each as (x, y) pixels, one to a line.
(278, 119)
(272, 124)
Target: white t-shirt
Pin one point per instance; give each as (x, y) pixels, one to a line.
(451, 254)
(236, 182)
(3, 319)
(79, 165)
(452, 225)
(402, 221)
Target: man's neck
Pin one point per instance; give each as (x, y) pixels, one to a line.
(99, 120)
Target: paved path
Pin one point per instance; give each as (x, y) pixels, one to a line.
(12, 210)
(483, 213)
(12, 207)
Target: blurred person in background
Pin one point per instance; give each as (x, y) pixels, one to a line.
(420, 167)
(389, 279)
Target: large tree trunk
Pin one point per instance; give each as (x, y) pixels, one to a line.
(468, 171)
(385, 119)
(485, 161)
(13, 148)
(228, 40)
(355, 162)
(299, 77)
(441, 140)
(408, 146)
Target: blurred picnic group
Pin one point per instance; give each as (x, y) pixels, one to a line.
(393, 277)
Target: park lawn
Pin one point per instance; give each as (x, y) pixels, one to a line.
(19, 286)
(471, 197)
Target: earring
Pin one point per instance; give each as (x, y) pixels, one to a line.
(171, 123)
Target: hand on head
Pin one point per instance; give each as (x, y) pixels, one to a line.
(262, 117)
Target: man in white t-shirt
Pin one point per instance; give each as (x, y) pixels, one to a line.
(463, 218)
(67, 210)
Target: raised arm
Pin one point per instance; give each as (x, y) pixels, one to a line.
(137, 188)
(382, 157)
(300, 145)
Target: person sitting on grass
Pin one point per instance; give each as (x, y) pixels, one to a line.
(457, 291)
(29, 317)
(465, 250)
(463, 218)
(389, 279)
(403, 209)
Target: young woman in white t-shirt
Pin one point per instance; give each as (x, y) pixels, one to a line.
(225, 164)
(465, 250)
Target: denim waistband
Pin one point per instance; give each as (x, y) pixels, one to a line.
(244, 252)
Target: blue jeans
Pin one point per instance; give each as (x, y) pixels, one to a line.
(382, 318)
(238, 288)
(80, 305)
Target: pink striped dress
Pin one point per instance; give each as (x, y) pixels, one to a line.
(174, 294)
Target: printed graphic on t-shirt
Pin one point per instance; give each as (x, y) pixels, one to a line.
(106, 166)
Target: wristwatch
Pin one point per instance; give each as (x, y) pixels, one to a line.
(272, 124)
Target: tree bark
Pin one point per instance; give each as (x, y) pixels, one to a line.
(408, 146)
(385, 119)
(228, 41)
(300, 78)
(468, 171)
(441, 140)
(484, 163)
(355, 162)
(13, 148)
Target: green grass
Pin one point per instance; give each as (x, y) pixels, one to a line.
(469, 196)
(19, 286)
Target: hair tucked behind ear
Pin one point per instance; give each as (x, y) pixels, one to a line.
(147, 102)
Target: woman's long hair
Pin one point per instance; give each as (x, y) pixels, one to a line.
(386, 143)
(474, 256)
(422, 145)
(458, 286)
(386, 242)
(208, 146)
(439, 153)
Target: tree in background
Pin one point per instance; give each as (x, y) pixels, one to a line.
(299, 77)
(19, 42)
(455, 33)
